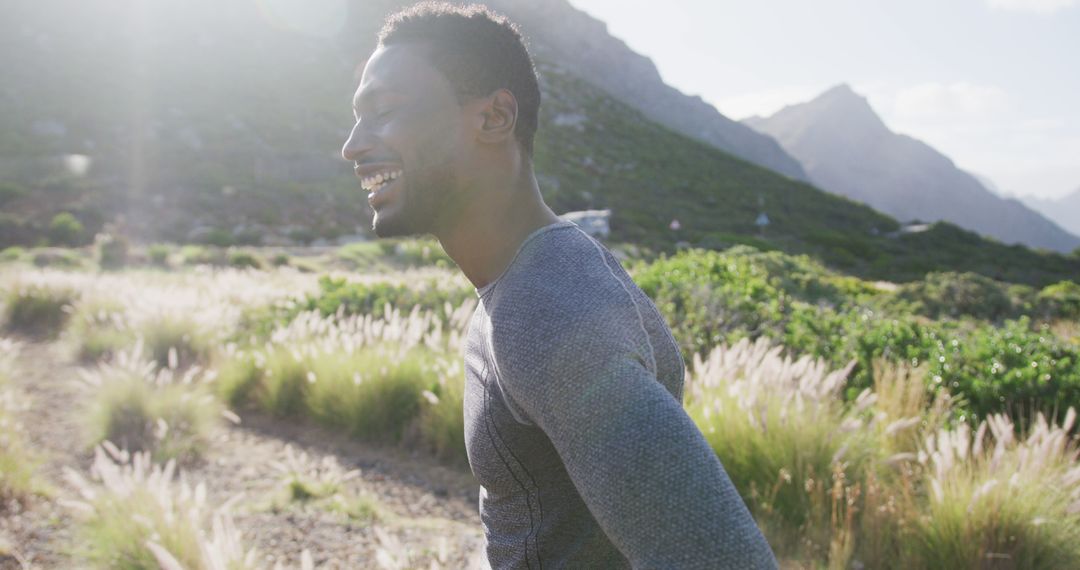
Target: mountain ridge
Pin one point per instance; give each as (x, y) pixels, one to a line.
(1063, 210)
(846, 148)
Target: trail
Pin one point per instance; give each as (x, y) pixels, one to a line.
(424, 511)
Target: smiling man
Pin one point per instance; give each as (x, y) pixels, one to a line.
(573, 420)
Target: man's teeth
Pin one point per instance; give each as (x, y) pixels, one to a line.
(372, 183)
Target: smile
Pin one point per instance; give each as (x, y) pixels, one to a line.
(376, 181)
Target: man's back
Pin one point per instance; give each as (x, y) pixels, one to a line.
(575, 429)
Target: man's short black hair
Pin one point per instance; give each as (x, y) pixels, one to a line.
(477, 50)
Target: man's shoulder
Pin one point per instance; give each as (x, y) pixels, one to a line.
(559, 274)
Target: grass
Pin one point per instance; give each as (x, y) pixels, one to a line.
(141, 407)
(885, 481)
(37, 311)
(306, 483)
(392, 379)
(140, 517)
(16, 461)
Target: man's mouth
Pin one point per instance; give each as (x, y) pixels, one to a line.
(377, 181)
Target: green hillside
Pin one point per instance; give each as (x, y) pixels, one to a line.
(226, 129)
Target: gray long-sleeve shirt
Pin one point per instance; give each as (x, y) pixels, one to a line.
(575, 429)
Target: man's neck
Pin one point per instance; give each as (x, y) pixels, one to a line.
(489, 232)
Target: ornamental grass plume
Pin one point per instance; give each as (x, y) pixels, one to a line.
(387, 377)
(139, 515)
(167, 412)
(994, 496)
(885, 480)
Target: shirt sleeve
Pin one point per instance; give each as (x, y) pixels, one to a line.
(636, 458)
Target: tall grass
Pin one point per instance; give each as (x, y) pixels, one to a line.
(999, 501)
(885, 481)
(16, 460)
(139, 516)
(386, 378)
(37, 310)
(142, 407)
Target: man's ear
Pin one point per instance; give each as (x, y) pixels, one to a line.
(499, 117)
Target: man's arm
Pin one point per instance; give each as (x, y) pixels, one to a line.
(641, 465)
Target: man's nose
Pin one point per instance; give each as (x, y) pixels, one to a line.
(358, 143)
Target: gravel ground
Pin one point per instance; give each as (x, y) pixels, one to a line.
(426, 512)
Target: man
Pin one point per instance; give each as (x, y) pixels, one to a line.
(573, 420)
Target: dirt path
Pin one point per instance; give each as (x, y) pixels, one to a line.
(421, 510)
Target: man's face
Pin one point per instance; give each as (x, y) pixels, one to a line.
(407, 142)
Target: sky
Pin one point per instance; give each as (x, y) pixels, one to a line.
(992, 84)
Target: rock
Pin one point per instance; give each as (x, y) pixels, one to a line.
(593, 222)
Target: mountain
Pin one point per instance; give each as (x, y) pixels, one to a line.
(847, 149)
(1065, 211)
(584, 47)
(206, 120)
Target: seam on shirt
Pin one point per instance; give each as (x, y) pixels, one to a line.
(507, 400)
(496, 439)
(675, 344)
(641, 320)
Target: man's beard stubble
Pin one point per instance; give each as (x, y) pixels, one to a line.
(425, 202)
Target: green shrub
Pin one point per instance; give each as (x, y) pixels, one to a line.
(158, 254)
(244, 259)
(56, 257)
(1059, 301)
(66, 230)
(112, 250)
(202, 255)
(955, 295)
(38, 311)
(11, 254)
(10, 192)
(337, 294)
(280, 259)
(715, 297)
(219, 238)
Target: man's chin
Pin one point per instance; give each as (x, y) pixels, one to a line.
(392, 227)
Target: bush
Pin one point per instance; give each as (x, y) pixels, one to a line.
(202, 255)
(955, 295)
(12, 254)
(112, 250)
(38, 311)
(158, 254)
(244, 260)
(280, 259)
(66, 230)
(56, 257)
(141, 408)
(337, 294)
(1059, 301)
